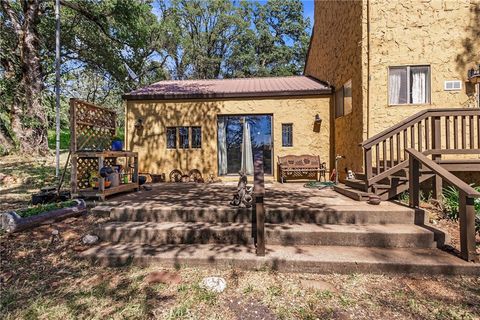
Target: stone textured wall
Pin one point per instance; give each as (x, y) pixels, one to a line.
(439, 33)
(335, 56)
(150, 142)
(360, 40)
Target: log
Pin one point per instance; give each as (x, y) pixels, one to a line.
(12, 222)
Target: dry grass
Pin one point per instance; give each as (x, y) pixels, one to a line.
(41, 279)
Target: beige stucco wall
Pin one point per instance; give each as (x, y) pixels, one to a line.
(150, 142)
(361, 39)
(442, 34)
(335, 56)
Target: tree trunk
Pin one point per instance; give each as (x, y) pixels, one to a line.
(34, 135)
(27, 114)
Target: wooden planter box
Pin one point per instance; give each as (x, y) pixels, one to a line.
(12, 222)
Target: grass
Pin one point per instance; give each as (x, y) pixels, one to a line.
(41, 279)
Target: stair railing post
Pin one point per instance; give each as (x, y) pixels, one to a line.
(414, 182)
(368, 163)
(259, 192)
(467, 227)
(436, 144)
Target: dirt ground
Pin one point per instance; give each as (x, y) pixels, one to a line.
(40, 278)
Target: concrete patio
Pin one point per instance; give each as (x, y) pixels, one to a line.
(307, 230)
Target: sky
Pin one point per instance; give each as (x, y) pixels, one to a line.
(307, 7)
(308, 10)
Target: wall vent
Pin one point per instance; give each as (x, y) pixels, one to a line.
(453, 85)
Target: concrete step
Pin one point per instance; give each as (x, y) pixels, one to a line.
(321, 215)
(372, 235)
(357, 184)
(311, 259)
(350, 192)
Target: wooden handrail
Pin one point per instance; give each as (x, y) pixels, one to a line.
(431, 131)
(417, 117)
(466, 195)
(445, 174)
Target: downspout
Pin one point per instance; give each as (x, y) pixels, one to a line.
(368, 69)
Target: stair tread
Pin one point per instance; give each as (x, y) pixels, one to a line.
(317, 259)
(283, 228)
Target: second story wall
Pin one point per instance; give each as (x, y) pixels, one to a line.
(442, 35)
(335, 56)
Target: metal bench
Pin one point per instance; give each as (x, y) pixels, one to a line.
(298, 166)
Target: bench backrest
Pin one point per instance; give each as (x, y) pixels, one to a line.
(302, 161)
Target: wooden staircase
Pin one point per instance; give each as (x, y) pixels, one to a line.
(436, 133)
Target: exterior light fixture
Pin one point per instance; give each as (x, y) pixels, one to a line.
(474, 75)
(318, 119)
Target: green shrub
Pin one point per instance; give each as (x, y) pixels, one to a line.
(451, 202)
(64, 139)
(34, 210)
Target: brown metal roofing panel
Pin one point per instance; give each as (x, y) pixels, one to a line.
(224, 88)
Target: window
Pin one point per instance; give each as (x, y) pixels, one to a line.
(196, 137)
(347, 97)
(171, 138)
(409, 85)
(183, 137)
(287, 135)
(339, 103)
(241, 139)
(452, 85)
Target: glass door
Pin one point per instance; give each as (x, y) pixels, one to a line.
(241, 139)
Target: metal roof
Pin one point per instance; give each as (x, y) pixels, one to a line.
(230, 88)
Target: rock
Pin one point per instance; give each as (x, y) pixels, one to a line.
(319, 285)
(163, 277)
(90, 239)
(214, 284)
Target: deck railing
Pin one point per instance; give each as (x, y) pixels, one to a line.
(432, 131)
(466, 199)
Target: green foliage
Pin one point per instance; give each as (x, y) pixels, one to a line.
(64, 139)
(450, 197)
(212, 39)
(41, 208)
(177, 39)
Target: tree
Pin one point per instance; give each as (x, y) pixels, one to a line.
(220, 38)
(23, 75)
(276, 45)
(100, 37)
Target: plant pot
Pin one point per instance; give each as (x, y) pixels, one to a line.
(117, 145)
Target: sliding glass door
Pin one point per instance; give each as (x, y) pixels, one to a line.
(241, 139)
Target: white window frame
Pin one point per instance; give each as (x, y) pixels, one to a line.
(409, 93)
(452, 82)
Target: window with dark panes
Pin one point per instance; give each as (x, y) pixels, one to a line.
(183, 137)
(196, 137)
(287, 135)
(171, 138)
(339, 103)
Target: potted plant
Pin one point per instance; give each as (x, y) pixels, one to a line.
(117, 144)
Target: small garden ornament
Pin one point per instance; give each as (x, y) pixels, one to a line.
(243, 198)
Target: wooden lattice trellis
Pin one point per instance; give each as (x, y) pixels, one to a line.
(92, 130)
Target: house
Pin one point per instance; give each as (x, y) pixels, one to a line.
(392, 59)
(199, 124)
(387, 84)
